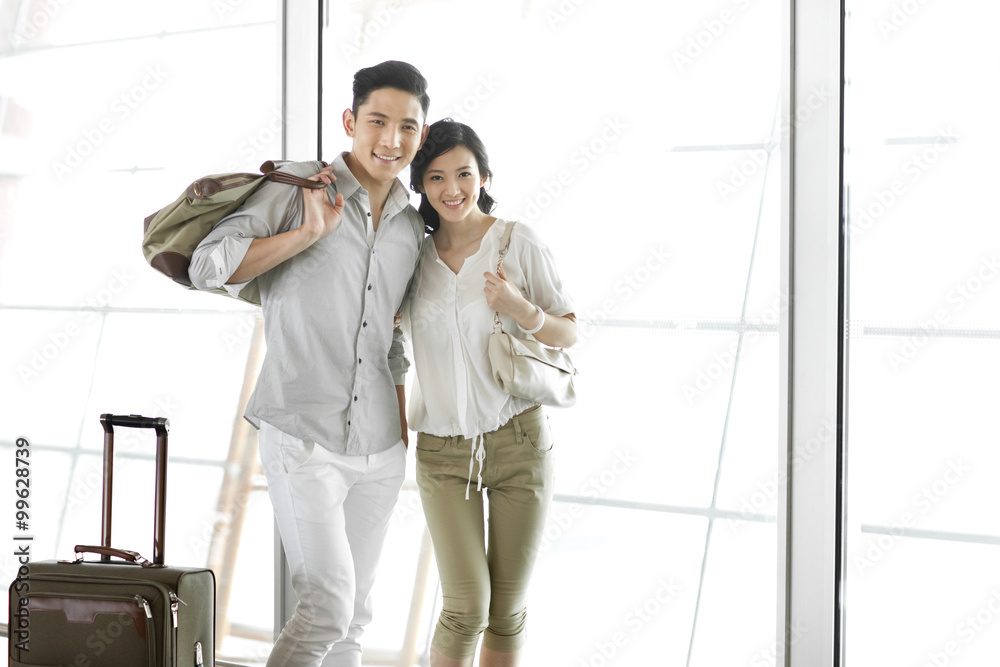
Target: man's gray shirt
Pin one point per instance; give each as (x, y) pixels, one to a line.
(333, 357)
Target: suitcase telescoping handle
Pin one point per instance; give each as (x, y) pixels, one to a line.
(161, 425)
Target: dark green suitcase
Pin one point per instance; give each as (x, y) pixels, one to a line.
(115, 614)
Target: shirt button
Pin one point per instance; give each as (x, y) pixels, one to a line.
(355, 399)
(369, 214)
(364, 324)
(369, 287)
(359, 361)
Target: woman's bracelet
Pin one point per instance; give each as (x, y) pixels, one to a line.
(541, 321)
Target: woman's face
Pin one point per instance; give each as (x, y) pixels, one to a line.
(451, 184)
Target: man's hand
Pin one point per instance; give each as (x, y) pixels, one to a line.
(405, 431)
(320, 217)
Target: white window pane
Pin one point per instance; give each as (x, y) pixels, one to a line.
(648, 161)
(108, 110)
(920, 147)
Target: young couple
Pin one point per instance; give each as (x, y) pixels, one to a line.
(329, 403)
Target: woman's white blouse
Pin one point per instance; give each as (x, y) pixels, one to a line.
(454, 392)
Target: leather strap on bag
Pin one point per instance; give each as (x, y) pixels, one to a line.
(291, 179)
(270, 171)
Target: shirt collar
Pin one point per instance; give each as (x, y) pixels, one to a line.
(347, 185)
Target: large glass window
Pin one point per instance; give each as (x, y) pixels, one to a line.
(641, 141)
(108, 110)
(921, 143)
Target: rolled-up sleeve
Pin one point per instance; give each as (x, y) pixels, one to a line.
(213, 262)
(398, 363)
(271, 209)
(544, 285)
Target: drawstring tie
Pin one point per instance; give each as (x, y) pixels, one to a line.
(477, 455)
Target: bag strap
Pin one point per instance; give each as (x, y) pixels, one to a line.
(505, 242)
(504, 245)
(270, 171)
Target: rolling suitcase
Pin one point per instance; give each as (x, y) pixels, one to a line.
(128, 613)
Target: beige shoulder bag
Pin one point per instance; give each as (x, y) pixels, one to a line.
(526, 368)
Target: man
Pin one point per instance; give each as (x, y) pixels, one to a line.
(329, 401)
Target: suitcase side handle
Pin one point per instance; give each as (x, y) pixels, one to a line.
(131, 556)
(162, 426)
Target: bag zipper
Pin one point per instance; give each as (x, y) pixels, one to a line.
(174, 601)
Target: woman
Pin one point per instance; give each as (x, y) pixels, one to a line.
(461, 415)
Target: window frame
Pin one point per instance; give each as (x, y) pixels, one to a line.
(812, 339)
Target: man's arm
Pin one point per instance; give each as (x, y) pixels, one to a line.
(319, 218)
(398, 365)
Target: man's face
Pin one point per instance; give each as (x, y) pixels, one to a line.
(387, 132)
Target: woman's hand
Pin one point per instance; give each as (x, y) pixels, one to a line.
(507, 300)
(320, 217)
(504, 298)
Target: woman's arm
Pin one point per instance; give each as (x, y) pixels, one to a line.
(504, 298)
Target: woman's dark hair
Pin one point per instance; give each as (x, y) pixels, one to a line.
(443, 136)
(390, 74)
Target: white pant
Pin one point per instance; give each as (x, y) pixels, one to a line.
(332, 512)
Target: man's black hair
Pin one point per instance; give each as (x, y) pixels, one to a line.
(390, 74)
